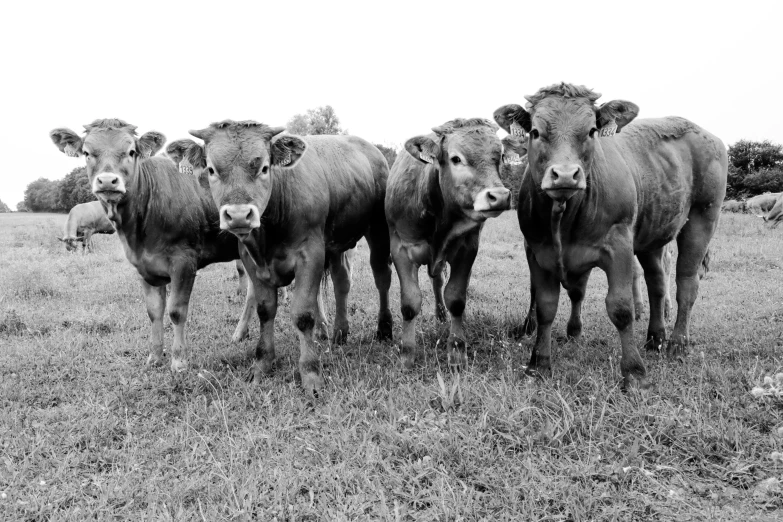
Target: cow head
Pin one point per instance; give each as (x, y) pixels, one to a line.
(238, 158)
(563, 126)
(70, 242)
(775, 214)
(112, 153)
(467, 156)
(190, 159)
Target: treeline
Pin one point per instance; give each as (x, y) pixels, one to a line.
(45, 195)
(755, 167)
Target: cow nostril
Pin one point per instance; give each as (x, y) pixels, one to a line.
(554, 174)
(114, 181)
(491, 197)
(249, 216)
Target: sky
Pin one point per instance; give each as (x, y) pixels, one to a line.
(391, 70)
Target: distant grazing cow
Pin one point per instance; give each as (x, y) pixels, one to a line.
(591, 199)
(440, 193)
(763, 203)
(297, 204)
(731, 205)
(775, 214)
(166, 222)
(83, 221)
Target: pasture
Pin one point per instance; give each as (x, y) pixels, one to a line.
(87, 432)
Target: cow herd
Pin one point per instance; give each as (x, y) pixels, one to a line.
(768, 206)
(601, 190)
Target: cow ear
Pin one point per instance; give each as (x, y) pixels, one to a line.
(150, 143)
(67, 141)
(287, 150)
(514, 145)
(612, 116)
(424, 149)
(188, 150)
(513, 119)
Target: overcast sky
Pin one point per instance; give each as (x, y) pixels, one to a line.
(390, 70)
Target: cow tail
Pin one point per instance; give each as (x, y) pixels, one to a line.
(557, 214)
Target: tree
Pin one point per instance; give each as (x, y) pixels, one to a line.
(755, 167)
(21, 207)
(321, 120)
(749, 156)
(74, 188)
(389, 153)
(42, 195)
(3, 207)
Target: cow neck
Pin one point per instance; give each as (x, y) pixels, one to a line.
(450, 225)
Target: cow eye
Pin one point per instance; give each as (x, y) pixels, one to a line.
(132, 153)
(534, 134)
(455, 160)
(592, 132)
(86, 154)
(265, 169)
(211, 171)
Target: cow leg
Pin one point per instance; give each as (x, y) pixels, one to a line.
(242, 285)
(576, 293)
(266, 308)
(155, 299)
(667, 269)
(87, 244)
(322, 323)
(617, 261)
(546, 290)
(638, 300)
(692, 244)
(437, 289)
(529, 326)
(455, 297)
(410, 301)
(340, 269)
(380, 250)
(250, 302)
(655, 277)
(304, 311)
(181, 286)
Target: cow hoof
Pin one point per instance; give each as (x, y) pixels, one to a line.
(385, 323)
(458, 360)
(340, 336)
(653, 344)
(408, 358)
(636, 382)
(440, 313)
(537, 373)
(178, 365)
(154, 360)
(574, 331)
(677, 350)
(313, 384)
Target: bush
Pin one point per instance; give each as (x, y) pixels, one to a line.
(765, 180)
(755, 167)
(74, 189)
(389, 153)
(3, 207)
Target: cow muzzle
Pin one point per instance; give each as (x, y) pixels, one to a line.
(495, 199)
(239, 219)
(107, 183)
(562, 181)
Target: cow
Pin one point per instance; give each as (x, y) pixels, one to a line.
(600, 189)
(166, 222)
(297, 204)
(775, 214)
(84, 220)
(731, 205)
(763, 203)
(441, 191)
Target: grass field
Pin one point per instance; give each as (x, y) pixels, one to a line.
(86, 432)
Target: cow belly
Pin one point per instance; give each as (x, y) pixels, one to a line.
(577, 259)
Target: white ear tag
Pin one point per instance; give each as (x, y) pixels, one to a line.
(287, 159)
(426, 157)
(71, 152)
(517, 130)
(610, 129)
